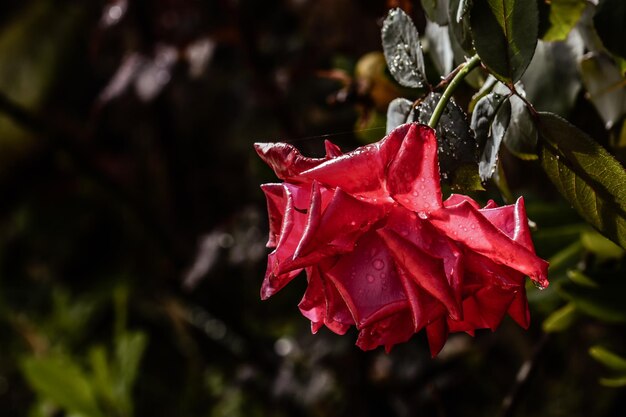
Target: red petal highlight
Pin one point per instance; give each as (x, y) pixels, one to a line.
(285, 159)
(413, 175)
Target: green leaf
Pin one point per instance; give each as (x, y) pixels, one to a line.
(564, 14)
(128, 352)
(609, 23)
(459, 24)
(561, 319)
(489, 157)
(505, 35)
(608, 358)
(552, 81)
(614, 382)
(398, 113)
(63, 383)
(439, 47)
(605, 86)
(605, 301)
(458, 150)
(402, 49)
(586, 174)
(599, 245)
(521, 135)
(436, 11)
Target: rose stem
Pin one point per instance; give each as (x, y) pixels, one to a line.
(445, 97)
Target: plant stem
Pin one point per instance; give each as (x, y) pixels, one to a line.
(447, 94)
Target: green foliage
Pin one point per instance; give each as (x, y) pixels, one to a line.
(614, 362)
(505, 35)
(564, 14)
(586, 174)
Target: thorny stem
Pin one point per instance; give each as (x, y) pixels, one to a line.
(447, 94)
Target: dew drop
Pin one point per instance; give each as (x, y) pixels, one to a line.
(378, 264)
(370, 278)
(422, 215)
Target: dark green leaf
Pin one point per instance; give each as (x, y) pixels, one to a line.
(608, 358)
(62, 382)
(521, 136)
(489, 157)
(614, 382)
(459, 24)
(483, 115)
(458, 151)
(564, 14)
(505, 35)
(552, 81)
(398, 113)
(439, 47)
(610, 23)
(605, 86)
(436, 11)
(402, 49)
(586, 174)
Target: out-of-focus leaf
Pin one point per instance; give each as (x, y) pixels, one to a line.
(62, 382)
(33, 47)
(103, 380)
(371, 71)
(398, 112)
(439, 47)
(581, 279)
(564, 14)
(609, 23)
(605, 301)
(521, 135)
(459, 24)
(586, 174)
(605, 86)
(614, 382)
(601, 246)
(436, 11)
(458, 150)
(129, 350)
(561, 319)
(489, 157)
(552, 81)
(402, 49)
(608, 358)
(505, 35)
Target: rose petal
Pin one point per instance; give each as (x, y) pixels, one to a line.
(484, 310)
(437, 333)
(467, 225)
(275, 197)
(368, 282)
(413, 175)
(455, 199)
(426, 271)
(285, 160)
(389, 331)
(512, 221)
(424, 307)
(332, 150)
(362, 171)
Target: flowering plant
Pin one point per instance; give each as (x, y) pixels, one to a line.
(383, 251)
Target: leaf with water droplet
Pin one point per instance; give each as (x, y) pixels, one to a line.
(459, 23)
(402, 49)
(483, 115)
(457, 147)
(400, 111)
(521, 135)
(440, 47)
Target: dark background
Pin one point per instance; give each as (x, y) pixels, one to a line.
(129, 199)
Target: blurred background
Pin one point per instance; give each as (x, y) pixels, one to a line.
(133, 229)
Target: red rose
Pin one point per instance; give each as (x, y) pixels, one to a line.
(383, 252)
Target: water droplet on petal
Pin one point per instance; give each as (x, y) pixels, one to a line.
(370, 278)
(378, 264)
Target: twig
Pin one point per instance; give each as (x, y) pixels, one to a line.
(512, 399)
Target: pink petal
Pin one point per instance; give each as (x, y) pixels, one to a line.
(362, 171)
(274, 195)
(413, 175)
(455, 199)
(484, 310)
(332, 150)
(467, 225)
(426, 271)
(368, 282)
(518, 310)
(424, 307)
(343, 222)
(512, 221)
(285, 159)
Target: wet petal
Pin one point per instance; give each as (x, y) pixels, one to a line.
(437, 333)
(332, 150)
(387, 332)
(413, 175)
(468, 226)
(275, 197)
(455, 199)
(484, 310)
(362, 171)
(512, 221)
(285, 159)
(368, 282)
(426, 271)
